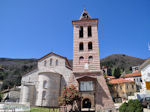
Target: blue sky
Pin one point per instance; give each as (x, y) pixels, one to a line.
(33, 28)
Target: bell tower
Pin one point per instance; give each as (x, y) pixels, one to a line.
(85, 44)
(87, 75)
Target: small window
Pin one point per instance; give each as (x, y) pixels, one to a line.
(81, 59)
(56, 62)
(45, 63)
(81, 32)
(120, 87)
(44, 95)
(132, 86)
(81, 46)
(51, 61)
(89, 31)
(45, 84)
(90, 47)
(90, 59)
(126, 86)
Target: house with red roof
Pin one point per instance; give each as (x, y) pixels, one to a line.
(121, 89)
(136, 77)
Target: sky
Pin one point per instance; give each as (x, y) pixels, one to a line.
(34, 28)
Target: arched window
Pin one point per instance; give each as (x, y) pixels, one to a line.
(90, 59)
(90, 47)
(81, 32)
(43, 95)
(45, 84)
(81, 46)
(45, 63)
(51, 61)
(89, 31)
(81, 58)
(56, 62)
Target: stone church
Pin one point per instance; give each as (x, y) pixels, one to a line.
(43, 86)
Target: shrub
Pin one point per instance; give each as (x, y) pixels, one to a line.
(131, 106)
(69, 96)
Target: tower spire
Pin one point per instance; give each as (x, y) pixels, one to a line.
(84, 15)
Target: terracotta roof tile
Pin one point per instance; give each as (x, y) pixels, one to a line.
(119, 81)
(110, 77)
(136, 74)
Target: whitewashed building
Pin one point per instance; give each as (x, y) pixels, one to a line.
(43, 86)
(145, 72)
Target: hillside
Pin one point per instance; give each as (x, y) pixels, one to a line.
(122, 61)
(11, 70)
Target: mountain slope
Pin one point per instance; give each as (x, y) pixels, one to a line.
(122, 61)
(11, 70)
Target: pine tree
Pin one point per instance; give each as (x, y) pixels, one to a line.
(117, 72)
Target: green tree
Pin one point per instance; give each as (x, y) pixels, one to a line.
(109, 72)
(123, 107)
(131, 106)
(117, 72)
(1, 75)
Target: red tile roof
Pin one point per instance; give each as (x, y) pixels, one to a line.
(136, 74)
(119, 81)
(110, 77)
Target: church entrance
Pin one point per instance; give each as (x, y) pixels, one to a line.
(86, 103)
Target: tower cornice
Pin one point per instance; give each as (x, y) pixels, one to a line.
(87, 20)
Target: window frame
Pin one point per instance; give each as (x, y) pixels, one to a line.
(90, 59)
(56, 62)
(90, 46)
(81, 45)
(81, 58)
(51, 62)
(81, 30)
(89, 30)
(45, 63)
(45, 84)
(44, 95)
(92, 83)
